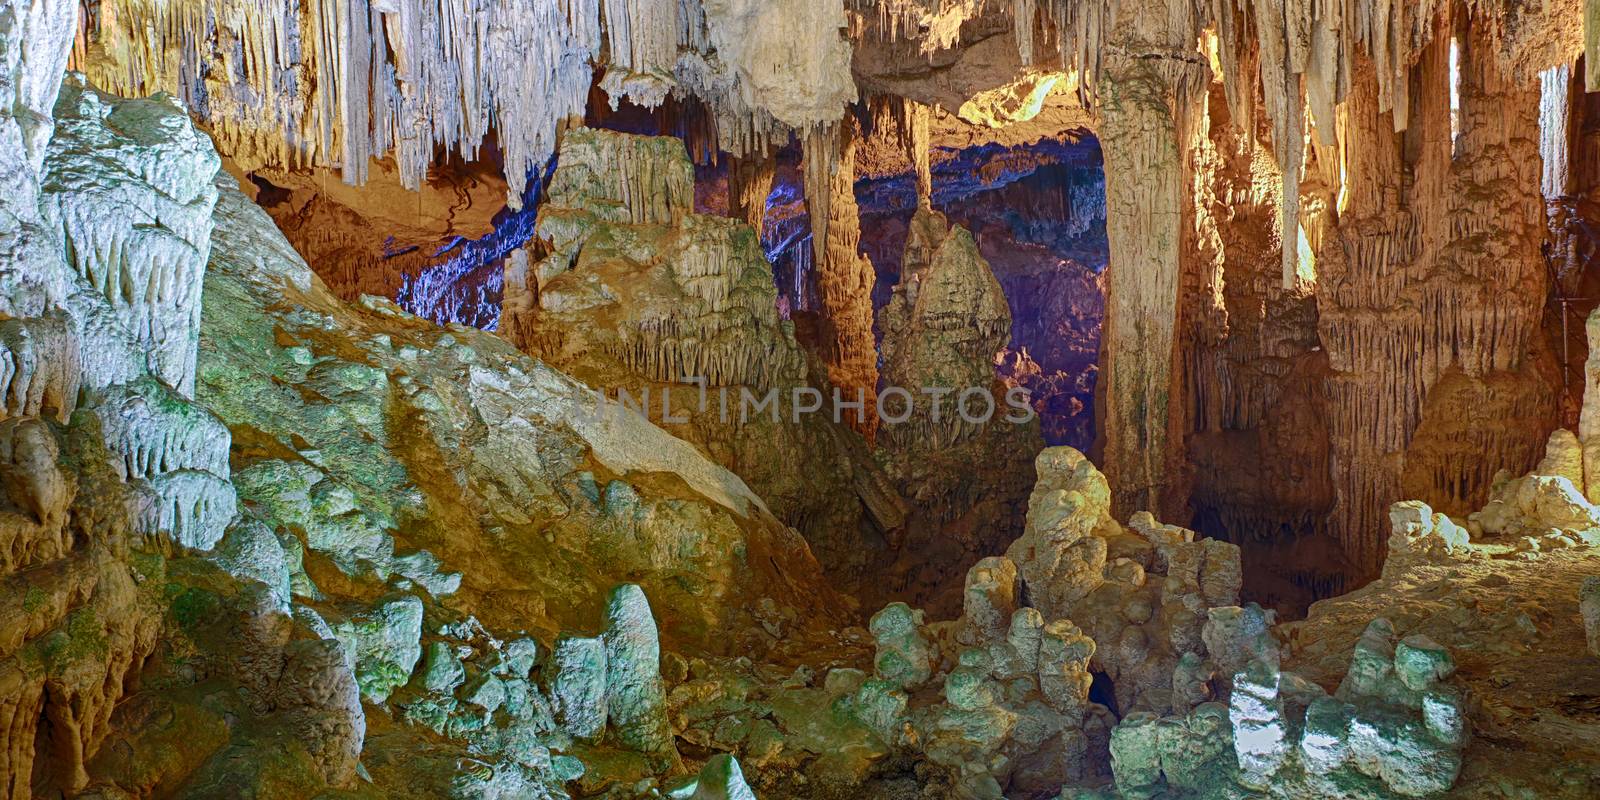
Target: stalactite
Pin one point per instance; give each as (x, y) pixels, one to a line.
(1082, 29)
(844, 276)
(935, 24)
(642, 38)
(1280, 28)
(1022, 17)
(335, 83)
(915, 139)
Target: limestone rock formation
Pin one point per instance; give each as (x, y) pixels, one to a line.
(844, 277)
(942, 327)
(1536, 504)
(619, 206)
(720, 779)
(135, 415)
(675, 314)
(110, 157)
(265, 534)
(101, 309)
(635, 697)
(943, 411)
(1395, 728)
(1041, 626)
(1143, 593)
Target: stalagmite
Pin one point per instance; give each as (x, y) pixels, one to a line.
(635, 699)
(620, 214)
(943, 326)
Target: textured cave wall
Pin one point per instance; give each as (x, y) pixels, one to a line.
(1431, 294)
(1253, 367)
(106, 227)
(379, 237)
(1386, 357)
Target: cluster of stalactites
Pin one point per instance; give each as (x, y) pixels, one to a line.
(1301, 54)
(1078, 27)
(337, 83)
(296, 83)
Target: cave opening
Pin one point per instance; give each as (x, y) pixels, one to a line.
(1103, 691)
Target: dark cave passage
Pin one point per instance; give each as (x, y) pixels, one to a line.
(1038, 215)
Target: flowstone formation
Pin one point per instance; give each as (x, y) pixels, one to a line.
(674, 313)
(465, 447)
(109, 467)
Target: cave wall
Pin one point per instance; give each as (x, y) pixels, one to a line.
(1432, 291)
(1252, 364)
(1387, 358)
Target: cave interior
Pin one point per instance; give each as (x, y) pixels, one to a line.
(800, 399)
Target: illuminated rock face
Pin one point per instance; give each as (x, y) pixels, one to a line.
(106, 229)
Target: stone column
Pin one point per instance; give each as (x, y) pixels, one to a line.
(1152, 82)
(844, 276)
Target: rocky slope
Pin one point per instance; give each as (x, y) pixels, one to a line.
(229, 551)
